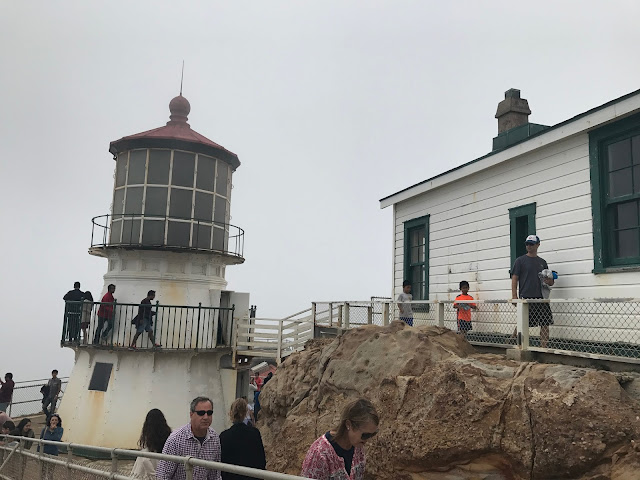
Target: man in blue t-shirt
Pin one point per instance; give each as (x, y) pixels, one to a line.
(525, 283)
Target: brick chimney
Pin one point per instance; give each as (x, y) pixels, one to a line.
(513, 111)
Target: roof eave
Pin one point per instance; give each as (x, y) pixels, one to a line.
(596, 117)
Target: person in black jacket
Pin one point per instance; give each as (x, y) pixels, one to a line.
(73, 311)
(241, 444)
(144, 321)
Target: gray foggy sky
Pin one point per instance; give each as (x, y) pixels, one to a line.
(330, 105)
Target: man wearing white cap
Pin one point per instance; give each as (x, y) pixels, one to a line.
(525, 281)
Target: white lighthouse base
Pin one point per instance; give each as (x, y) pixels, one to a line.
(138, 382)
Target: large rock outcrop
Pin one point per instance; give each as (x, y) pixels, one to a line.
(450, 413)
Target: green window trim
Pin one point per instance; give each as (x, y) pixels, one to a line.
(523, 211)
(603, 260)
(416, 223)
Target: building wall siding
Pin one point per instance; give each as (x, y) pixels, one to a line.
(470, 230)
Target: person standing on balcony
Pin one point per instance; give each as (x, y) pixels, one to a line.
(73, 311)
(144, 321)
(406, 313)
(55, 385)
(525, 283)
(87, 308)
(105, 315)
(6, 391)
(196, 439)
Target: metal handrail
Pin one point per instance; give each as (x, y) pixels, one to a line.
(232, 241)
(121, 452)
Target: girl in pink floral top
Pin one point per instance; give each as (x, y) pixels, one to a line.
(339, 454)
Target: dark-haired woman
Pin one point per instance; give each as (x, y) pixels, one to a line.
(241, 444)
(24, 430)
(87, 307)
(155, 432)
(339, 454)
(52, 431)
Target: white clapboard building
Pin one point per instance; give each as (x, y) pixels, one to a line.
(575, 184)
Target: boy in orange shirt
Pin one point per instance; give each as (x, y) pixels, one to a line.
(464, 309)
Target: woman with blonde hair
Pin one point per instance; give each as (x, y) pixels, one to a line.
(241, 444)
(339, 454)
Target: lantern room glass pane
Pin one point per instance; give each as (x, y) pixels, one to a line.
(137, 167)
(155, 202)
(183, 168)
(118, 201)
(203, 209)
(219, 239)
(131, 232)
(178, 234)
(159, 167)
(206, 174)
(116, 230)
(133, 203)
(121, 169)
(153, 232)
(202, 236)
(222, 179)
(220, 214)
(180, 203)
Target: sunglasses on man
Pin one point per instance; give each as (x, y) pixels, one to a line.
(202, 412)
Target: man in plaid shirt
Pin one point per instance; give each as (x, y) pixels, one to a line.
(196, 439)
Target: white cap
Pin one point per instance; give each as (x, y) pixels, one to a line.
(532, 239)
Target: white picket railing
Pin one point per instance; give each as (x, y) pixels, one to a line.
(273, 338)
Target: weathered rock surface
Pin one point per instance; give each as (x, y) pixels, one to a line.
(448, 413)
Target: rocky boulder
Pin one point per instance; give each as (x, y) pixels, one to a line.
(450, 413)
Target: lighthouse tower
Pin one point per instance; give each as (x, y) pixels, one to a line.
(168, 231)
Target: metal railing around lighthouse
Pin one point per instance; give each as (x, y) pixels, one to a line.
(168, 232)
(174, 327)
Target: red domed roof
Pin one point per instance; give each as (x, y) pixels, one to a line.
(177, 133)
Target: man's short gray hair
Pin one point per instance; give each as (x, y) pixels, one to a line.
(197, 400)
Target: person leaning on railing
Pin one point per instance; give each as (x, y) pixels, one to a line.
(53, 432)
(339, 454)
(24, 430)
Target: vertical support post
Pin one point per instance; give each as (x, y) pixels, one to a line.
(216, 320)
(340, 310)
(369, 315)
(114, 461)
(188, 468)
(313, 313)
(69, 460)
(385, 313)
(231, 325)
(523, 324)
(440, 313)
(198, 325)
(346, 315)
(279, 355)
(331, 314)
(155, 324)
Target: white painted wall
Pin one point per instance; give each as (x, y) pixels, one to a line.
(470, 233)
(139, 382)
